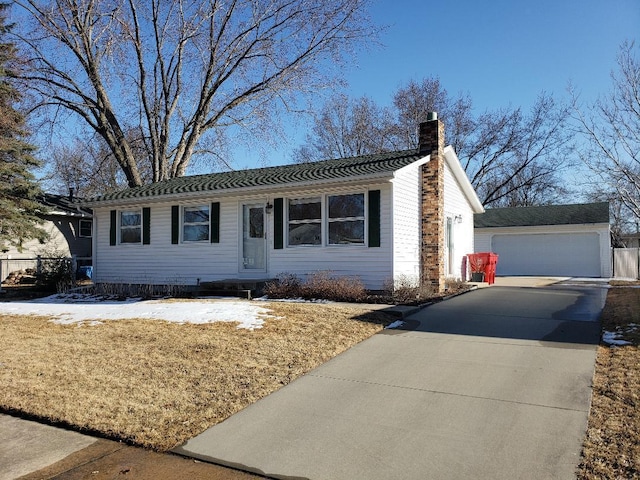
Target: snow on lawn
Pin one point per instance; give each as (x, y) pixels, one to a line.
(614, 338)
(74, 308)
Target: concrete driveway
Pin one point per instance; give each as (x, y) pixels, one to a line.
(493, 384)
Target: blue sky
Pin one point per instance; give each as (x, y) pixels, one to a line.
(502, 53)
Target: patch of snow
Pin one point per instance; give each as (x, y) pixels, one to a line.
(291, 300)
(396, 324)
(613, 338)
(89, 310)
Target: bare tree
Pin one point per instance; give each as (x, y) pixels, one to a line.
(511, 158)
(414, 101)
(348, 128)
(612, 128)
(88, 166)
(515, 159)
(184, 71)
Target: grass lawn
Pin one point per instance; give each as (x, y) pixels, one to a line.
(157, 384)
(612, 445)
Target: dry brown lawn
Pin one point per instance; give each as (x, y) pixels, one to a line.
(612, 446)
(157, 384)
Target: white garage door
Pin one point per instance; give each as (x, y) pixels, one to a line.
(575, 255)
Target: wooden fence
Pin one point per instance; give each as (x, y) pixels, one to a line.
(626, 262)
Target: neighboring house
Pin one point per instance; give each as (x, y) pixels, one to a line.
(69, 228)
(556, 240)
(379, 217)
(629, 240)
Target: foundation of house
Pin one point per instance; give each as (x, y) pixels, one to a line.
(243, 288)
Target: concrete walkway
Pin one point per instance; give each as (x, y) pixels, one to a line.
(493, 384)
(33, 451)
(28, 446)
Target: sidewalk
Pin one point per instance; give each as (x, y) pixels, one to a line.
(493, 384)
(33, 451)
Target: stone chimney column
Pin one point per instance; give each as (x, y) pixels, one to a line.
(431, 142)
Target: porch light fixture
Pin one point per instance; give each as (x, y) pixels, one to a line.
(458, 219)
(268, 208)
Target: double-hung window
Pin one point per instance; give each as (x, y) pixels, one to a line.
(346, 219)
(131, 226)
(305, 221)
(195, 224)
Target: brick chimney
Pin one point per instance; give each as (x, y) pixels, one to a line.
(431, 142)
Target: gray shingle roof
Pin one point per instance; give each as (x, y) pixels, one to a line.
(580, 213)
(62, 204)
(271, 176)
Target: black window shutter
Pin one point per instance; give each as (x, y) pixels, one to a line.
(113, 227)
(146, 226)
(215, 222)
(374, 218)
(175, 224)
(278, 223)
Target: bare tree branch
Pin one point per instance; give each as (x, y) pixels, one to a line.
(511, 158)
(183, 70)
(611, 127)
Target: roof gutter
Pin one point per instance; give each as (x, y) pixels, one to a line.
(238, 191)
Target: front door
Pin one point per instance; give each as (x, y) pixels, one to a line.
(254, 241)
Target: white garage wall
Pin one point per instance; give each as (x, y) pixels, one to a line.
(561, 250)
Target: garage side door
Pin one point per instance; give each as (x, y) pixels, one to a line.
(575, 255)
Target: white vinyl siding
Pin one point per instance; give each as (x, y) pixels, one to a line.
(406, 223)
(458, 209)
(186, 263)
(162, 262)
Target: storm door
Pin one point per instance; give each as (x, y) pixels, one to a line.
(254, 238)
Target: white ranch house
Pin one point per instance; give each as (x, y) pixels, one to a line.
(379, 217)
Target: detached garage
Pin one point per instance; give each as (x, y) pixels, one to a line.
(554, 240)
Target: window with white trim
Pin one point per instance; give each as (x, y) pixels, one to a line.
(346, 219)
(305, 221)
(195, 224)
(85, 227)
(131, 226)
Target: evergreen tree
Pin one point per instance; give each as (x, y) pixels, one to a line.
(19, 208)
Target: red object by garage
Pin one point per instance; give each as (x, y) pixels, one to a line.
(484, 262)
